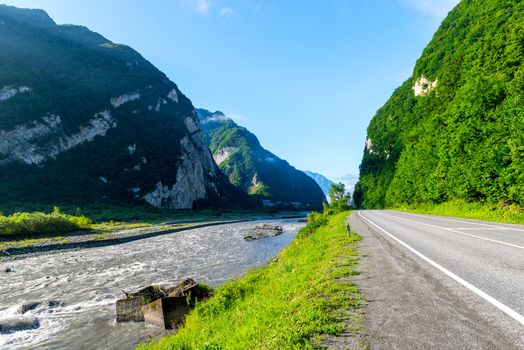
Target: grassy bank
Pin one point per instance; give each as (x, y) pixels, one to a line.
(512, 214)
(38, 223)
(289, 304)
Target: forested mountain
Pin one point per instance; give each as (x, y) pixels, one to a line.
(321, 180)
(455, 129)
(253, 169)
(83, 119)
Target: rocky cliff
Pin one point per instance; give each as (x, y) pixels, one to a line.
(83, 119)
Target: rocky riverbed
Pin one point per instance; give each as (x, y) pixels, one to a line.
(57, 300)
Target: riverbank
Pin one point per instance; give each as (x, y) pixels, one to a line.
(303, 296)
(109, 233)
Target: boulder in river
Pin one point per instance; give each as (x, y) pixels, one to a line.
(130, 308)
(18, 323)
(161, 306)
(166, 312)
(262, 231)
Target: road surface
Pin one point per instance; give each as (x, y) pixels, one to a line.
(440, 283)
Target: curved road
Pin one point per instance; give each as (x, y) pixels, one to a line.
(441, 283)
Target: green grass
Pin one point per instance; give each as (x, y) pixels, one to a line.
(38, 223)
(512, 214)
(292, 303)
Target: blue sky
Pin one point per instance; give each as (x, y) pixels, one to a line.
(305, 76)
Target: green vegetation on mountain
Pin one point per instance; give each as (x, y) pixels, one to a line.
(454, 131)
(252, 168)
(84, 120)
(303, 295)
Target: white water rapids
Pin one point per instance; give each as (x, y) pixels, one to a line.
(67, 300)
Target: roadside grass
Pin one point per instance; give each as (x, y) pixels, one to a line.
(294, 302)
(499, 212)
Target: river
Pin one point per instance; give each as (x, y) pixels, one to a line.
(69, 297)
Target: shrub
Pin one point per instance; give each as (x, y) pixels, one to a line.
(38, 223)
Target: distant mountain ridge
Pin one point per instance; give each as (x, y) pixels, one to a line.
(83, 120)
(322, 181)
(252, 168)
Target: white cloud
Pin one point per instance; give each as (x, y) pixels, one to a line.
(200, 6)
(227, 12)
(240, 119)
(349, 180)
(433, 8)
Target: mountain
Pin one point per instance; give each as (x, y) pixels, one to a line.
(83, 119)
(253, 169)
(455, 129)
(321, 180)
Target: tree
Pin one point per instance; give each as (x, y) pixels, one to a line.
(340, 199)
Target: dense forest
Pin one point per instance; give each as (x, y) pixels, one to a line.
(455, 129)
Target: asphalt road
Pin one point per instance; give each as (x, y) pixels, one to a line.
(440, 283)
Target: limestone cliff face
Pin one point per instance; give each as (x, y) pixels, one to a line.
(194, 175)
(34, 142)
(85, 120)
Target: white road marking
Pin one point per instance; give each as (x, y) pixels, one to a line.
(507, 310)
(455, 231)
(472, 223)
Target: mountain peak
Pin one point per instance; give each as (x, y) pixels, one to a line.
(206, 116)
(34, 17)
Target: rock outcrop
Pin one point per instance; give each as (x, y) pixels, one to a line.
(262, 231)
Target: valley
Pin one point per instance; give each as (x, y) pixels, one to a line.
(74, 292)
(133, 218)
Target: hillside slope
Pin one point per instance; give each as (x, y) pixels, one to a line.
(455, 129)
(83, 119)
(253, 169)
(323, 182)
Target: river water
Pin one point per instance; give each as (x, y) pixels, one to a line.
(67, 300)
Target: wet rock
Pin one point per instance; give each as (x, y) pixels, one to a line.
(166, 312)
(8, 269)
(262, 231)
(150, 293)
(190, 290)
(31, 305)
(160, 306)
(130, 308)
(16, 324)
(182, 288)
